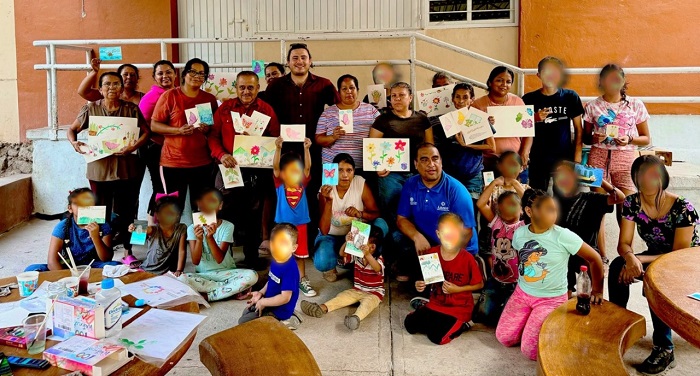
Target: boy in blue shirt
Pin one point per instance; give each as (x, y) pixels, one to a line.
(281, 292)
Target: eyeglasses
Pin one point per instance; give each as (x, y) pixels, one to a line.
(112, 84)
(195, 73)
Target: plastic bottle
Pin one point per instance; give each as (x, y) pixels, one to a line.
(583, 292)
(110, 299)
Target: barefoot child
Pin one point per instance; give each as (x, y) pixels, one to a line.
(210, 246)
(449, 310)
(280, 294)
(167, 248)
(291, 178)
(544, 250)
(368, 284)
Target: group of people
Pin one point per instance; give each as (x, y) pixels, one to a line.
(510, 241)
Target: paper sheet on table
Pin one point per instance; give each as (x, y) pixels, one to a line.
(163, 291)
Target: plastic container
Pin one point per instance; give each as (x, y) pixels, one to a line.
(28, 282)
(583, 292)
(110, 299)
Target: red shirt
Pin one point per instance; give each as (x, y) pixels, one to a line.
(365, 278)
(222, 133)
(182, 151)
(462, 270)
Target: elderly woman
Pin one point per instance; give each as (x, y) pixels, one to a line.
(351, 200)
(115, 180)
(185, 160)
(329, 131)
(130, 77)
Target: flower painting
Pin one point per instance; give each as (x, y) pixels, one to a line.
(380, 154)
(221, 84)
(436, 101)
(108, 135)
(254, 151)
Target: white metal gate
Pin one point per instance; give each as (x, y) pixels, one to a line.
(227, 19)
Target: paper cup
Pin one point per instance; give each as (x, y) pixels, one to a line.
(71, 285)
(28, 282)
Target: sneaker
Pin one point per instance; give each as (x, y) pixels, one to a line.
(312, 309)
(352, 322)
(331, 275)
(305, 287)
(658, 361)
(292, 323)
(418, 302)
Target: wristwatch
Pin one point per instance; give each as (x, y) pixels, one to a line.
(605, 260)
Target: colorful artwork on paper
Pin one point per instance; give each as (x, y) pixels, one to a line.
(90, 214)
(345, 120)
(108, 135)
(110, 53)
(472, 122)
(589, 176)
(203, 219)
(232, 176)
(360, 236)
(391, 154)
(221, 84)
(293, 132)
(513, 121)
(436, 101)
(206, 116)
(377, 95)
(258, 67)
(431, 268)
(330, 174)
(254, 151)
(254, 125)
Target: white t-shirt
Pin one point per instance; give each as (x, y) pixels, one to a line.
(341, 223)
(224, 233)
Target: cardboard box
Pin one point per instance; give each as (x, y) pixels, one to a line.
(80, 315)
(664, 154)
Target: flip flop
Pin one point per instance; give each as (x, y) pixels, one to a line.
(132, 261)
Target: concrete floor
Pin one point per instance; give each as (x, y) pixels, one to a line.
(381, 346)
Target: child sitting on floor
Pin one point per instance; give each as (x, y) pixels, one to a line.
(167, 249)
(449, 310)
(543, 251)
(280, 294)
(368, 284)
(86, 242)
(210, 246)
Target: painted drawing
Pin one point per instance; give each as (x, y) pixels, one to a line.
(108, 135)
(203, 219)
(254, 151)
(110, 53)
(431, 268)
(255, 124)
(330, 174)
(192, 116)
(221, 84)
(377, 95)
(206, 116)
(293, 132)
(436, 101)
(237, 123)
(589, 176)
(474, 125)
(391, 154)
(513, 121)
(345, 120)
(232, 176)
(360, 236)
(90, 214)
(259, 68)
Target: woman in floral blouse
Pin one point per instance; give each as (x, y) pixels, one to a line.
(666, 222)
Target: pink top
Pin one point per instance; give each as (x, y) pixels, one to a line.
(502, 143)
(503, 256)
(625, 114)
(147, 105)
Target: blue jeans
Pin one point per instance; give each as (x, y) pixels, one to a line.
(326, 247)
(45, 267)
(389, 188)
(493, 299)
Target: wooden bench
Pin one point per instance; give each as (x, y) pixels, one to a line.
(573, 344)
(259, 347)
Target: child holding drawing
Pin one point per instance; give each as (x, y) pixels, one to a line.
(280, 294)
(368, 282)
(291, 178)
(215, 270)
(449, 310)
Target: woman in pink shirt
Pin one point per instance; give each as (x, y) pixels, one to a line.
(499, 84)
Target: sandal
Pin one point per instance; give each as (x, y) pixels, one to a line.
(132, 261)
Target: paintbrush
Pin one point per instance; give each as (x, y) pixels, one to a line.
(86, 269)
(41, 327)
(67, 263)
(70, 254)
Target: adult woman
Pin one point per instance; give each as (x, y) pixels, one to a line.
(115, 180)
(498, 86)
(666, 222)
(130, 77)
(185, 160)
(164, 75)
(351, 200)
(329, 132)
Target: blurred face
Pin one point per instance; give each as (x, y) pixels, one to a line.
(400, 98)
(130, 77)
(168, 215)
(82, 200)
(299, 62)
(429, 164)
(165, 76)
(195, 76)
(650, 179)
(442, 81)
(450, 234)
(209, 204)
(271, 73)
(247, 88)
(291, 175)
(565, 181)
(551, 75)
(500, 85)
(348, 92)
(544, 214)
(111, 88)
(384, 74)
(345, 174)
(462, 98)
(509, 209)
(510, 167)
(282, 246)
(612, 82)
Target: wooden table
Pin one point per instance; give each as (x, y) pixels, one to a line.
(136, 367)
(667, 283)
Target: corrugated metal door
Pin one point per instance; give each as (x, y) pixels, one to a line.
(215, 19)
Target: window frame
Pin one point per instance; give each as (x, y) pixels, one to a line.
(512, 22)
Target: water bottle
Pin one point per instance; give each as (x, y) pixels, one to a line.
(583, 292)
(110, 299)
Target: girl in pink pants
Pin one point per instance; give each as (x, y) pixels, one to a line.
(544, 250)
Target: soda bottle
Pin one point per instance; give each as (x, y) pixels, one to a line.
(583, 292)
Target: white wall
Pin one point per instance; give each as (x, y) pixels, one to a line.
(9, 113)
(679, 134)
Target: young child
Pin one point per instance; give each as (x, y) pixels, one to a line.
(368, 283)
(210, 246)
(449, 310)
(280, 294)
(503, 261)
(167, 248)
(86, 242)
(291, 178)
(544, 250)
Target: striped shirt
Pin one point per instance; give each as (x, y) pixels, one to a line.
(351, 143)
(366, 279)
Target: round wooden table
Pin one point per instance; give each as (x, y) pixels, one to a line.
(134, 368)
(667, 283)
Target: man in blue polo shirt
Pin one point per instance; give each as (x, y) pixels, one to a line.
(424, 198)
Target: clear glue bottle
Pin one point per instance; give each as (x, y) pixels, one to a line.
(110, 299)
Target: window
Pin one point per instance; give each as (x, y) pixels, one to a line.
(471, 12)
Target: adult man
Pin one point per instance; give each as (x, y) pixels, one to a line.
(273, 71)
(243, 205)
(424, 198)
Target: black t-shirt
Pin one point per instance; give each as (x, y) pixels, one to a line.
(552, 140)
(412, 127)
(583, 214)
